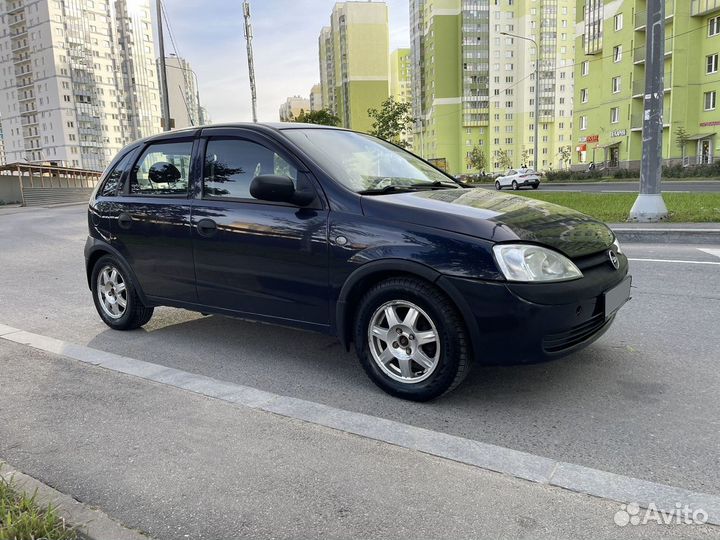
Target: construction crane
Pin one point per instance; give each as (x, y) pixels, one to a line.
(251, 65)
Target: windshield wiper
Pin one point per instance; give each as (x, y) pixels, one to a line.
(386, 189)
(435, 185)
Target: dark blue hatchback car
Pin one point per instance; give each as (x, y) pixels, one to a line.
(338, 232)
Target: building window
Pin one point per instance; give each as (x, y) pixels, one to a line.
(592, 38)
(584, 95)
(710, 100)
(618, 21)
(585, 68)
(583, 123)
(617, 53)
(614, 115)
(714, 26)
(615, 85)
(712, 63)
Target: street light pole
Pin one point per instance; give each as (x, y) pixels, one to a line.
(536, 123)
(163, 70)
(649, 205)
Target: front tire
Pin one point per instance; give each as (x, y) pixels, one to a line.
(411, 340)
(515, 185)
(497, 185)
(115, 296)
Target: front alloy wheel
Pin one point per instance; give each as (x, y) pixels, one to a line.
(410, 339)
(497, 185)
(404, 341)
(515, 185)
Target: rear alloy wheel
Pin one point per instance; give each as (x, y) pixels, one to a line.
(410, 339)
(515, 185)
(115, 297)
(497, 185)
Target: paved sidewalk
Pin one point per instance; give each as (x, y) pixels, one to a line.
(175, 464)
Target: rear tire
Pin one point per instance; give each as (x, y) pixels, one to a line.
(497, 185)
(515, 185)
(411, 340)
(535, 186)
(115, 296)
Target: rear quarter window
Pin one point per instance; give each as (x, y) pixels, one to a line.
(111, 184)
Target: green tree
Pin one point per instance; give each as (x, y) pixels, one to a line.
(524, 157)
(322, 117)
(503, 159)
(681, 137)
(565, 153)
(391, 121)
(477, 159)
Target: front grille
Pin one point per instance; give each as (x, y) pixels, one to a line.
(554, 343)
(592, 261)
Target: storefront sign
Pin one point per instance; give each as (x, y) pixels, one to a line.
(708, 124)
(592, 138)
(618, 133)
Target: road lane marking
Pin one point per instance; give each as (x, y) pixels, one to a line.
(674, 261)
(713, 252)
(515, 463)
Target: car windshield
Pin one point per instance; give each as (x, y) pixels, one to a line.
(366, 164)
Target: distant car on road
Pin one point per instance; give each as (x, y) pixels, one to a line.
(517, 178)
(338, 232)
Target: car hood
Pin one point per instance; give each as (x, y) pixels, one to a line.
(497, 217)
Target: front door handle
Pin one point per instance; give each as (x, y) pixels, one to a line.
(207, 227)
(125, 221)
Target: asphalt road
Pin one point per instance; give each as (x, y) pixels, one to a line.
(627, 187)
(642, 401)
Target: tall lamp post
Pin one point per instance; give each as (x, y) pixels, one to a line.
(537, 94)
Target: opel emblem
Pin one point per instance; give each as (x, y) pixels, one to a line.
(614, 260)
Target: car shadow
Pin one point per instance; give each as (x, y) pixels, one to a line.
(313, 366)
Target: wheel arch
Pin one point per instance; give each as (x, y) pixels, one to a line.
(98, 250)
(374, 272)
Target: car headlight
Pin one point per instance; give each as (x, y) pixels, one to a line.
(524, 262)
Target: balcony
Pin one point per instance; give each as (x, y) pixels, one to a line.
(636, 120)
(638, 86)
(700, 8)
(640, 53)
(641, 16)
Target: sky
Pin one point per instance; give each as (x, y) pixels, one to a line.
(209, 34)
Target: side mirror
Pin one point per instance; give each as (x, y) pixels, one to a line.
(268, 187)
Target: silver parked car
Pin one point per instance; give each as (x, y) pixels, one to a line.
(517, 178)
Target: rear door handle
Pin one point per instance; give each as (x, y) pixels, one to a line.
(125, 221)
(206, 227)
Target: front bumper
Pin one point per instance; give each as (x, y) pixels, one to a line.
(529, 323)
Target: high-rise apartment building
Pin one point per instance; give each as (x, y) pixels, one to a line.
(316, 98)
(77, 79)
(610, 82)
(292, 107)
(183, 93)
(401, 80)
(473, 86)
(354, 52)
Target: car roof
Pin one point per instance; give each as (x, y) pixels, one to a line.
(257, 126)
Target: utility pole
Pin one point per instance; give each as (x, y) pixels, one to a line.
(163, 70)
(649, 205)
(536, 123)
(251, 65)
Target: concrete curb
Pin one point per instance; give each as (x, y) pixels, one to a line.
(91, 523)
(667, 235)
(519, 464)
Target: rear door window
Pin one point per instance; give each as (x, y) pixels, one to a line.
(163, 169)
